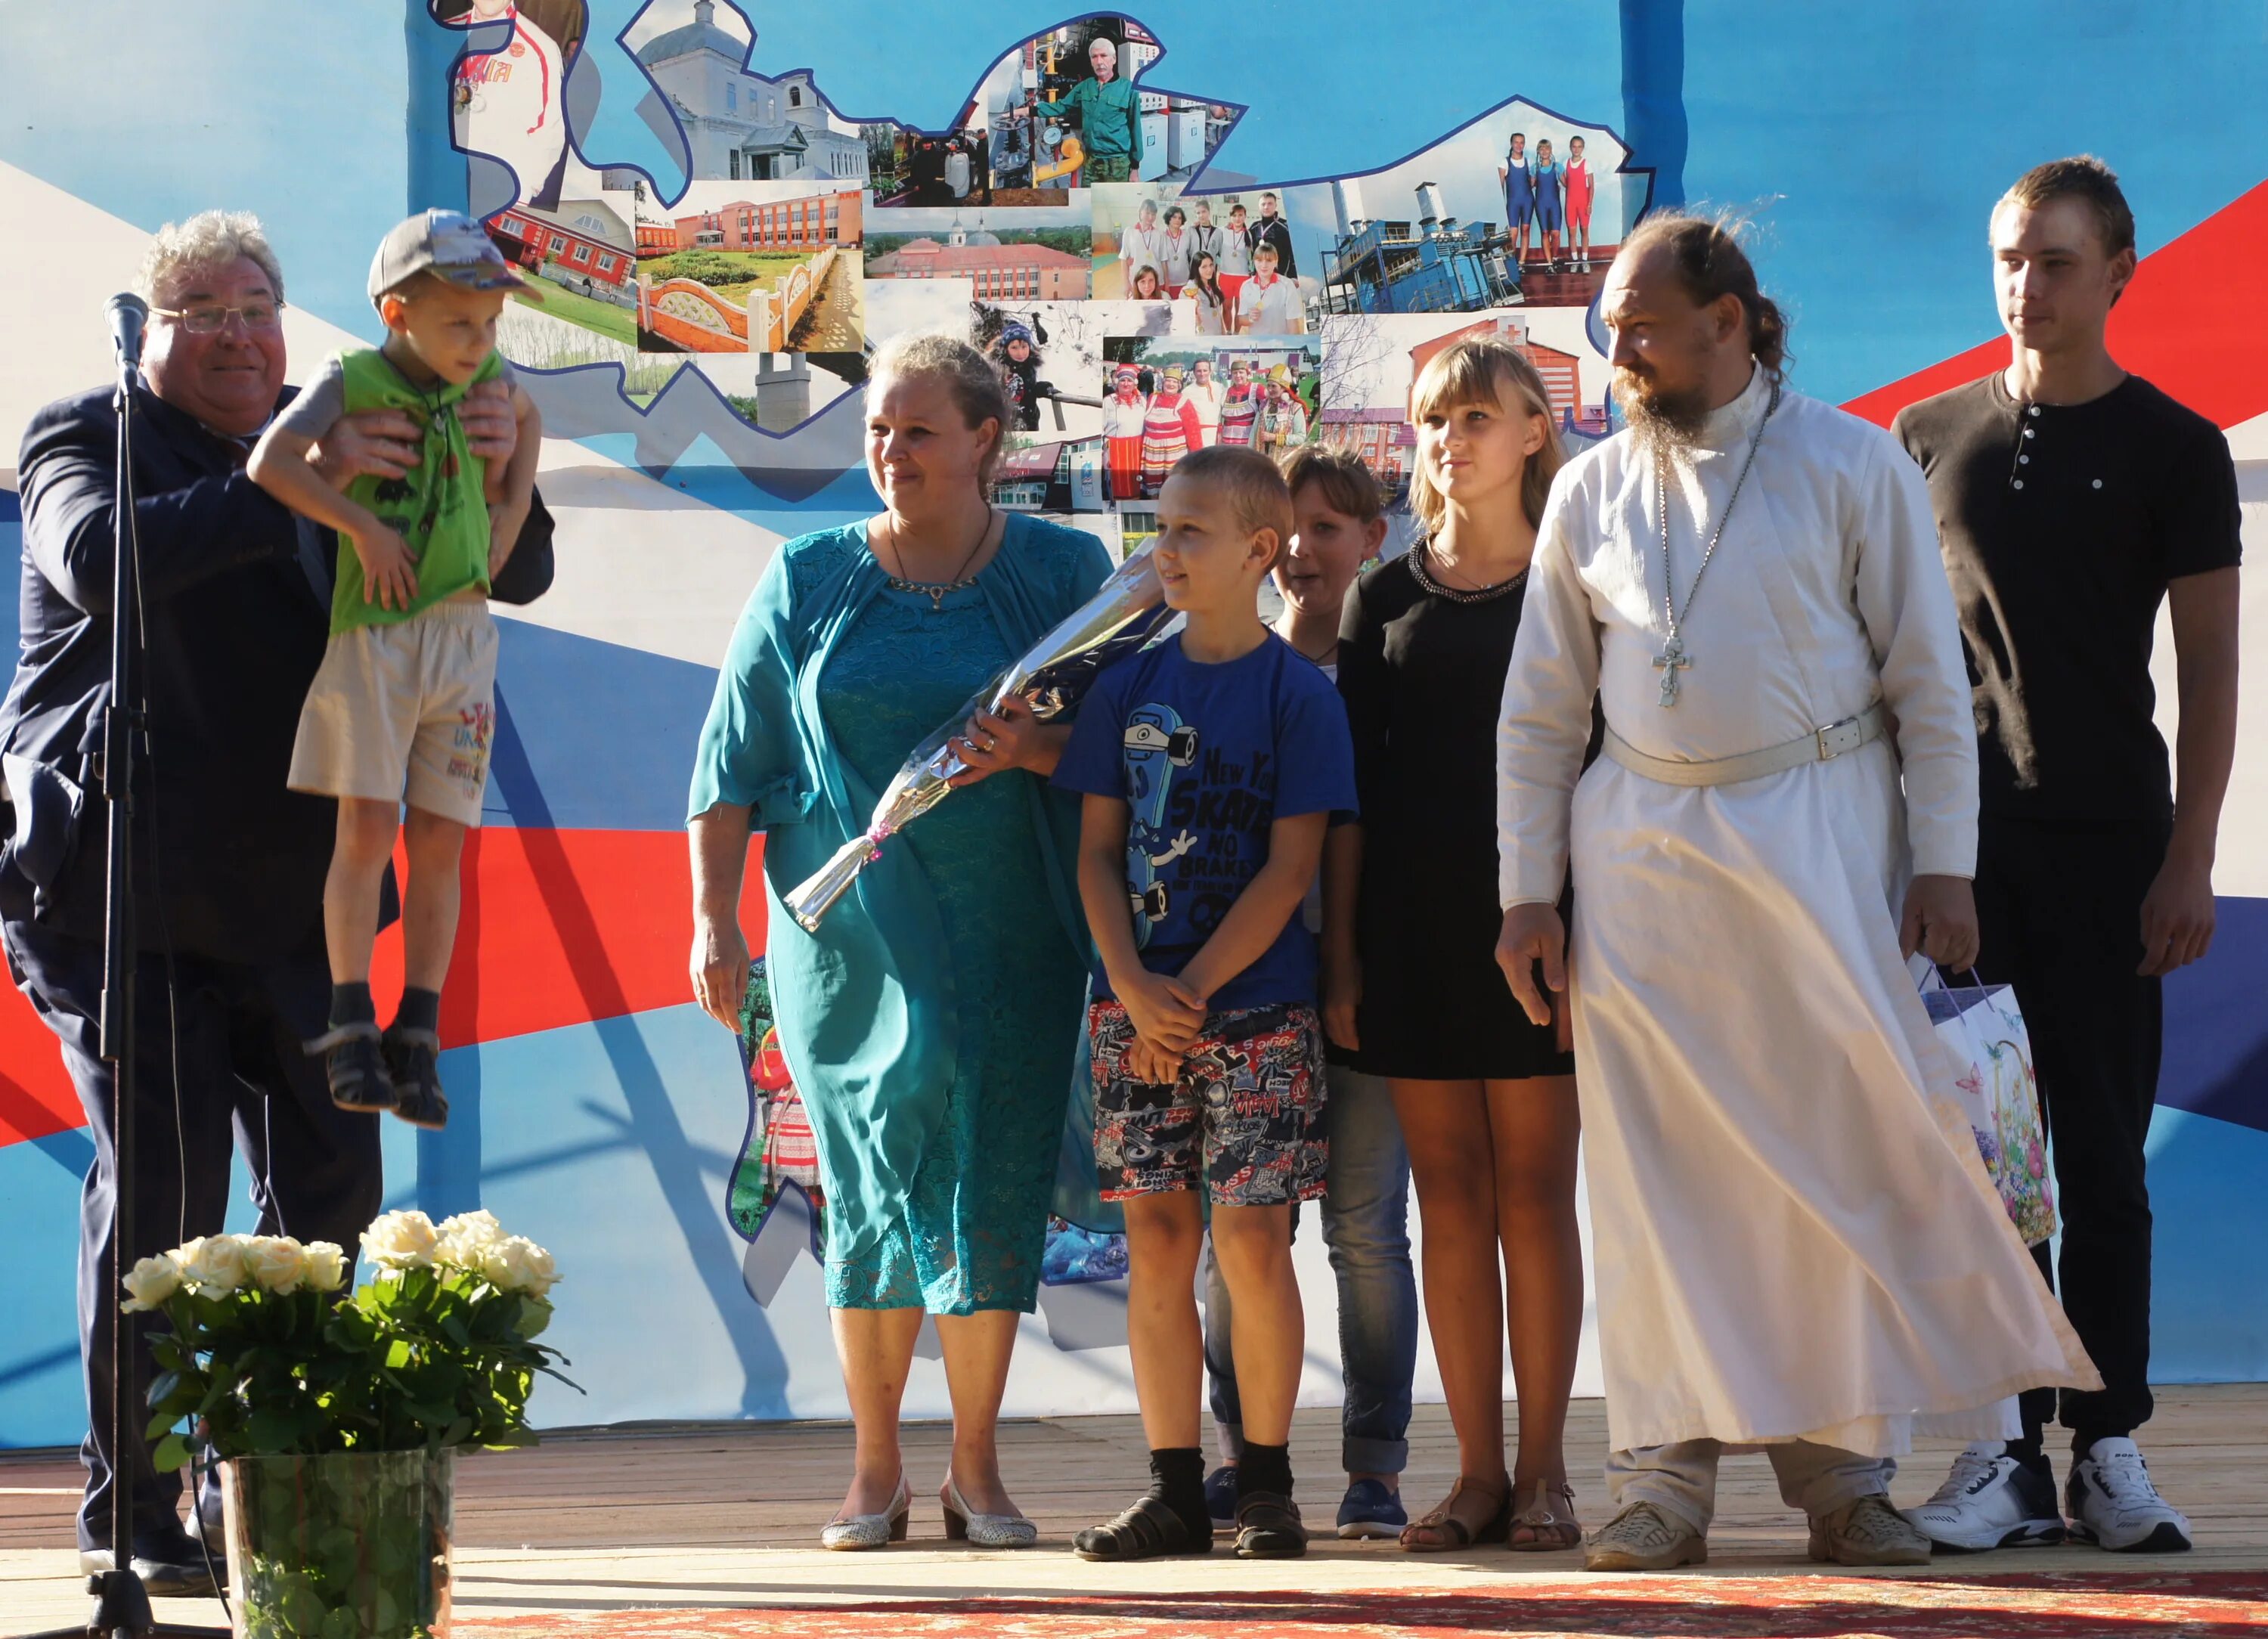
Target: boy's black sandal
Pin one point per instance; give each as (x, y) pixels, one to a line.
(354, 1067)
(1151, 1529)
(1268, 1526)
(413, 1059)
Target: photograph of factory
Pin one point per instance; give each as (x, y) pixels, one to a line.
(741, 266)
(739, 126)
(1021, 254)
(1519, 207)
(1062, 111)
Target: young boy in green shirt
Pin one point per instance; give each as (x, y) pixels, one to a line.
(403, 706)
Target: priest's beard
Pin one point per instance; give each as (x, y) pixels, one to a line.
(1665, 422)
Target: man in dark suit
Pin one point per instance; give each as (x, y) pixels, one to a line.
(228, 864)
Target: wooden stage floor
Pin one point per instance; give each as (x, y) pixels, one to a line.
(717, 1518)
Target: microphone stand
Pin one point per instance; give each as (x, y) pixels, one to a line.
(121, 1603)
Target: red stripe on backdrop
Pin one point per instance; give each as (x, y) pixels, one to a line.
(558, 928)
(2190, 323)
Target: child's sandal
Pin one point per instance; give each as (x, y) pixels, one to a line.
(1148, 1530)
(354, 1068)
(1268, 1526)
(413, 1059)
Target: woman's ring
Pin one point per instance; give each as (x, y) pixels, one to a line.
(991, 744)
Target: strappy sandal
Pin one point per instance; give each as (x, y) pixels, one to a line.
(413, 1059)
(1550, 1517)
(1148, 1530)
(1268, 1526)
(354, 1068)
(1453, 1533)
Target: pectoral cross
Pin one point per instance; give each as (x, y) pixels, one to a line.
(1669, 662)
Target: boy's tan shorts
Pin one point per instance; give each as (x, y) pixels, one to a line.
(404, 712)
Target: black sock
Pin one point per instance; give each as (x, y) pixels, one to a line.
(420, 1010)
(2082, 1442)
(1264, 1468)
(350, 1005)
(2027, 1452)
(1177, 1480)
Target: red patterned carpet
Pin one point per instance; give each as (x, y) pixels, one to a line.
(2203, 1605)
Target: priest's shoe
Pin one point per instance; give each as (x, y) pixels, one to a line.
(2113, 1503)
(1867, 1531)
(1643, 1536)
(1991, 1501)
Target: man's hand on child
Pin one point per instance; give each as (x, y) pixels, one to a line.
(491, 428)
(389, 574)
(1163, 1009)
(374, 443)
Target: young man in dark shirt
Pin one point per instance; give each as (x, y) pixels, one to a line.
(2072, 498)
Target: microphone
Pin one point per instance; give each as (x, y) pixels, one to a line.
(128, 313)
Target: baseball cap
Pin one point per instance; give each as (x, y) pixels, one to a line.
(446, 243)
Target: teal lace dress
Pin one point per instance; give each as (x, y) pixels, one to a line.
(933, 1021)
(975, 1223)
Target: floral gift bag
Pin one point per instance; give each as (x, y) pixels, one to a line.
(1983, 1032)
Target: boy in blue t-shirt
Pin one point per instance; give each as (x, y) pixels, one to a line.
(1212, 765)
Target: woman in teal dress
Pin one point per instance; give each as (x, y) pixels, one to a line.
(933, 1021)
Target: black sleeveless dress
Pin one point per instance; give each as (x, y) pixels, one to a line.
(1421, 669)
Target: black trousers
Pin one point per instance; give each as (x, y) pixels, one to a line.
(234, 1033)
(2060, 912)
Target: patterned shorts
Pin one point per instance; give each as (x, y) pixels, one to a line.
(1246, 1117)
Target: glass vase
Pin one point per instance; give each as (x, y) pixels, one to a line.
(343, 1546)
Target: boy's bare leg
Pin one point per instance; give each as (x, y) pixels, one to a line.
(364, 842)
(431, 902)
(1254, 1245)
(1164, 1233)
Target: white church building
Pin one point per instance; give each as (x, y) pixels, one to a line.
(743, 126)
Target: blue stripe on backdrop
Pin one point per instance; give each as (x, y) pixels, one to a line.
(2216, 1060)
(607, 731)
(2209, 1305)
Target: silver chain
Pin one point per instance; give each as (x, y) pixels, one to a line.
(1661, 507)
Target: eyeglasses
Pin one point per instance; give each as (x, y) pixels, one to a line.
(212, 319)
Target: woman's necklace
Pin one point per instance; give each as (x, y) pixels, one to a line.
(1421, 555)
(935, 590)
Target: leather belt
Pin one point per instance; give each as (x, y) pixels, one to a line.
(1820, 746)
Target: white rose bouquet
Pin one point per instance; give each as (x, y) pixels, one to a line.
(266, 1357)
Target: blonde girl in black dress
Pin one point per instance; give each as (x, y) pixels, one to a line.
(1486, 1100)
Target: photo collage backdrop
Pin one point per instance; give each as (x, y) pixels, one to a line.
(1068, 224)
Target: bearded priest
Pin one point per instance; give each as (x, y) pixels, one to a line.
(1798, 1247)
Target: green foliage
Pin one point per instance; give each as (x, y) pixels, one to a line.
(720, 269)
(419, 1359)
(343, 1546)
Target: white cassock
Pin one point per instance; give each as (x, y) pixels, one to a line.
(1795, 1239)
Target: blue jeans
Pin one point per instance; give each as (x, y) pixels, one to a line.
(1367, 1227)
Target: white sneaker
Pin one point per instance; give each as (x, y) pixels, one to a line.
(1990, 1501)
(2113, 1504)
